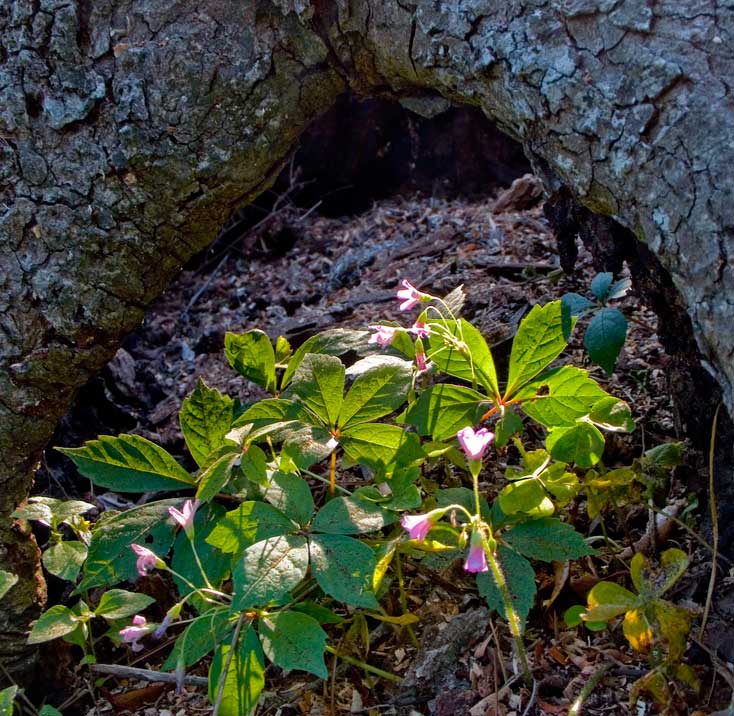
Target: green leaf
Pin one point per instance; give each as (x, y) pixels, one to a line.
(526, 496)
(251, 522)
(376, 393)
(538, 342)
(444, 409)
(49, 508)
(7, 696)
(128, 463)
(7, 581)
(294, 641)
(269, 570)
(607, 600)
(673, 563)
(581, 443)
(560, 396)
(520, 578)
(306, 446)
(573, 616)
(291, 495)
(272, 411)
(245, 676)
(351, 516)
(343, 568)
(461, 496)
(216, 476)
(65, 559)
(205, 418)
(318, 612)
(199, 638)
(576, 304)
(375, 443)
(47, 710)
(336, 342)
(507, 426)
(547, 539)
(319, 382)
(251, 355)
(118, 604)
(283, 350)
(605, 337)
(52, 624)
(254, 465)
(216, 563)
(612, 414)
(666, 455)
(110, 559)
(466, 355)
(600, 285)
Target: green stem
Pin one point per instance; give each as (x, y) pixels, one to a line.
(403, 598)
(512, 617)
(364, 666)
(326, 481)
(199, 564)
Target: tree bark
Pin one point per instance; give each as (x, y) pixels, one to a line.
(130, 129)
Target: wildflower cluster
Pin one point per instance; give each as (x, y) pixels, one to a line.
(257, 536)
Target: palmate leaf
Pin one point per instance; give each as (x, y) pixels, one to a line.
(251, 354)
(268, 570)
(560, 396)
(319, 383)
(110, 559)
(128, 463)
(293, 640)
(520, 578)
(467, 357)
(245, 676)
(343, 568)
(205, 418)
(291, 495)
(444, 409)
(376, 393)
(538, 342)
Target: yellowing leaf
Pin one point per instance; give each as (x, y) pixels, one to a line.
(638, 630)
(608, 600)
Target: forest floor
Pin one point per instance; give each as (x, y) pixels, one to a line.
(300, 273)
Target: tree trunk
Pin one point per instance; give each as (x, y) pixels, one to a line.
(130, 129)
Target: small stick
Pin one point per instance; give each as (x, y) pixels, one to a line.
(714, 525)
(132, 672)
(591, 684)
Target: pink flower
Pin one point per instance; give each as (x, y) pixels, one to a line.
(420, 361)
(409, 295)
(186, 517)
(474, 443)
(417, 526)
(420, 329)
(133, 634)
(477, 559)
(147, 560)
(384, 336)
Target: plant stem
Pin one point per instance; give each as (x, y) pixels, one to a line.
(403, 599)
(321, 478)
(230, 654)
(512, 617)
(332, 474)
(199, 564)
(362, 665)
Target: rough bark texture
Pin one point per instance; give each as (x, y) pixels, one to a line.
(129, 130)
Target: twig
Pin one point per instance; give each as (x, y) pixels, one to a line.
(531, 703)
(203, 288)
(714, 524)
(133, 672)
(590, 685)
